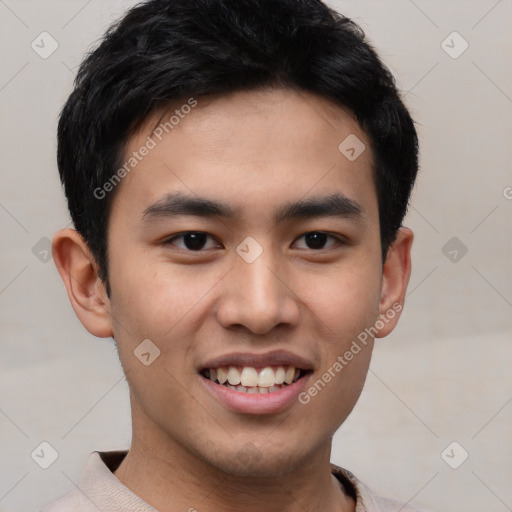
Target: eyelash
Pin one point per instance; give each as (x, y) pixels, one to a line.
(169, 241)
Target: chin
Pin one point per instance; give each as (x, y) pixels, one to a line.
(254, 462)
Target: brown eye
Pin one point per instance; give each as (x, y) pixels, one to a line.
(191, 240)
(317, 240)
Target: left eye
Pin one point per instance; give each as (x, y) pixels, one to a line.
(192, 241)
(318, 239)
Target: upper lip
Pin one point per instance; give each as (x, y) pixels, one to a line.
(274, 358)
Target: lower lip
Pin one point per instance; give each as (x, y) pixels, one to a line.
(256, 403)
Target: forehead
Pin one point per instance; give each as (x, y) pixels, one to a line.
(252, 148)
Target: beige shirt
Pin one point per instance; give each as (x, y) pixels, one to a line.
(100, 490)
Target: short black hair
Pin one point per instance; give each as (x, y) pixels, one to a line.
(164, 50)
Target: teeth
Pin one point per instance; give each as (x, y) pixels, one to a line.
(290, 373)
(254, 390)
(279, 375)
(222, 375)
(266, 378)
(233, 376)
(249, 377)
(249, 380)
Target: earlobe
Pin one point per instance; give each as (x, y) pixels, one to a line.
(395, 278)
(79, 272)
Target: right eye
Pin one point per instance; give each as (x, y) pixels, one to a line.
(190, 241)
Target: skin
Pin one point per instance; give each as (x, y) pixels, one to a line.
(255, 151)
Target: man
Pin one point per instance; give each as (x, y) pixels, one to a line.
(237, 172)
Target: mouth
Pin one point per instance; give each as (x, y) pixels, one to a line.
(256, 383)
(251, 380)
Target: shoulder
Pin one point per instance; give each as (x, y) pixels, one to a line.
(71, 502)
(389, 505)
(366, 499)
(97, 486)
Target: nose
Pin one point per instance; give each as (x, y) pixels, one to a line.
(257, 296)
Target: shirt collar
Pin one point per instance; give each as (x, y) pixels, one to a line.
(101, 487)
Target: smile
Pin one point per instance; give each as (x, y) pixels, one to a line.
(247, 379)
(250, 383)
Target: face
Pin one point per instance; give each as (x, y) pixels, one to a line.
(245, 246)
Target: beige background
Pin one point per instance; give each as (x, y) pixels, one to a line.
(442, 376)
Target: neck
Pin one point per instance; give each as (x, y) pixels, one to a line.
(171, 479)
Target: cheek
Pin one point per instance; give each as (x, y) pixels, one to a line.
(346, 299)
(157, 305)
(332, 396)
(160, 303)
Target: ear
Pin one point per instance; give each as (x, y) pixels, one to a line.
(395, 278)
(86, 291)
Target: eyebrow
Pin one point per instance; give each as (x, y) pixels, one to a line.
(334, 205)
